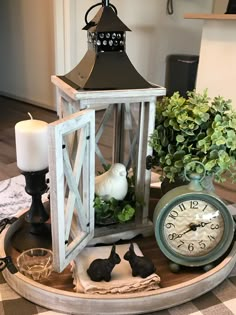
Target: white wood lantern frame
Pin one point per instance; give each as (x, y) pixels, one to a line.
(118, 103)
(71, 172)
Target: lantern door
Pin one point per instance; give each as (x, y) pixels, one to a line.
(71, 171)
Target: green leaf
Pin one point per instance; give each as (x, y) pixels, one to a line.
(178, 155)
(180, 138)
(179, 164)
(210, 165)
(126, 214)
(213, 154)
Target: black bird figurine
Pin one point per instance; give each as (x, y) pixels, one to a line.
(100, 269)
(140, 265)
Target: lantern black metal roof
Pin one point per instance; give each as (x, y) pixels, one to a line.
(105, 64)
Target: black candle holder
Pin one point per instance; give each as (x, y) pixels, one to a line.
(34, 231)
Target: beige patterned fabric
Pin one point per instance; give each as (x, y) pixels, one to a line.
(122, 279)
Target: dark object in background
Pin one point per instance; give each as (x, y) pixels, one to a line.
(170, 7)
(7, 262)
(166, 185)
(231, 7)
(140, 265)
(4, 222)
(181, 72)
(100, 269)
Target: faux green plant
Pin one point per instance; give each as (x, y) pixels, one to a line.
(112, 211)
(195, 128)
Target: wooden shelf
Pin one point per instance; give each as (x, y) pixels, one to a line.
(210, 16)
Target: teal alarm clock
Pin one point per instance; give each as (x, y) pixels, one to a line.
(193, 227)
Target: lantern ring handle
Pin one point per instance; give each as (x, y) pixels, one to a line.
(195, 162)
(94, 6)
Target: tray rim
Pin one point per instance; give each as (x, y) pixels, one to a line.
(138, 303)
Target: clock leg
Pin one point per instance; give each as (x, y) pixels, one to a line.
(174, 267)
(208, 267)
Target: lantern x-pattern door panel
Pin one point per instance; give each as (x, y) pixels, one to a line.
(71, 170)
(131, 114)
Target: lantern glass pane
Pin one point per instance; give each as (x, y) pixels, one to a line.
(117, 135)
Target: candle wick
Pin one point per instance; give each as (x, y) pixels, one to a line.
(31, 117)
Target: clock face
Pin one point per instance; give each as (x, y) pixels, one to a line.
(193, 228)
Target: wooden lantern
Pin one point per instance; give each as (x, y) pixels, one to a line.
(134, 118)
(104, 76)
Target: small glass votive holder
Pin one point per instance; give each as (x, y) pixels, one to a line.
(35, 263)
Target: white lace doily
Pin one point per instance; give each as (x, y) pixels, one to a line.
(13, 197)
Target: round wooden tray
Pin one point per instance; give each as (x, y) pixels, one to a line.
(56, 293)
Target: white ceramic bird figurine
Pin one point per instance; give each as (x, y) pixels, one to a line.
(112, 183)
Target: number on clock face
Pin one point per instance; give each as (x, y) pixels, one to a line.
(193, 228)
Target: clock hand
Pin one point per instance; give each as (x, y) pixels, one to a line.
(192, 227)
(202, 224)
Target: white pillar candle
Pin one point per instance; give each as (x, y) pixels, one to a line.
(31, 145)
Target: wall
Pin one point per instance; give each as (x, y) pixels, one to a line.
(27, 40)
(217, 67)
(154, 33)
(220, 6)
(27, 50)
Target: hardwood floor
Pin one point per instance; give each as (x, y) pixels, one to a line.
(13, 111)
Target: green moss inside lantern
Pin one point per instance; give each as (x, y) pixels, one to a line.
(196, 128)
